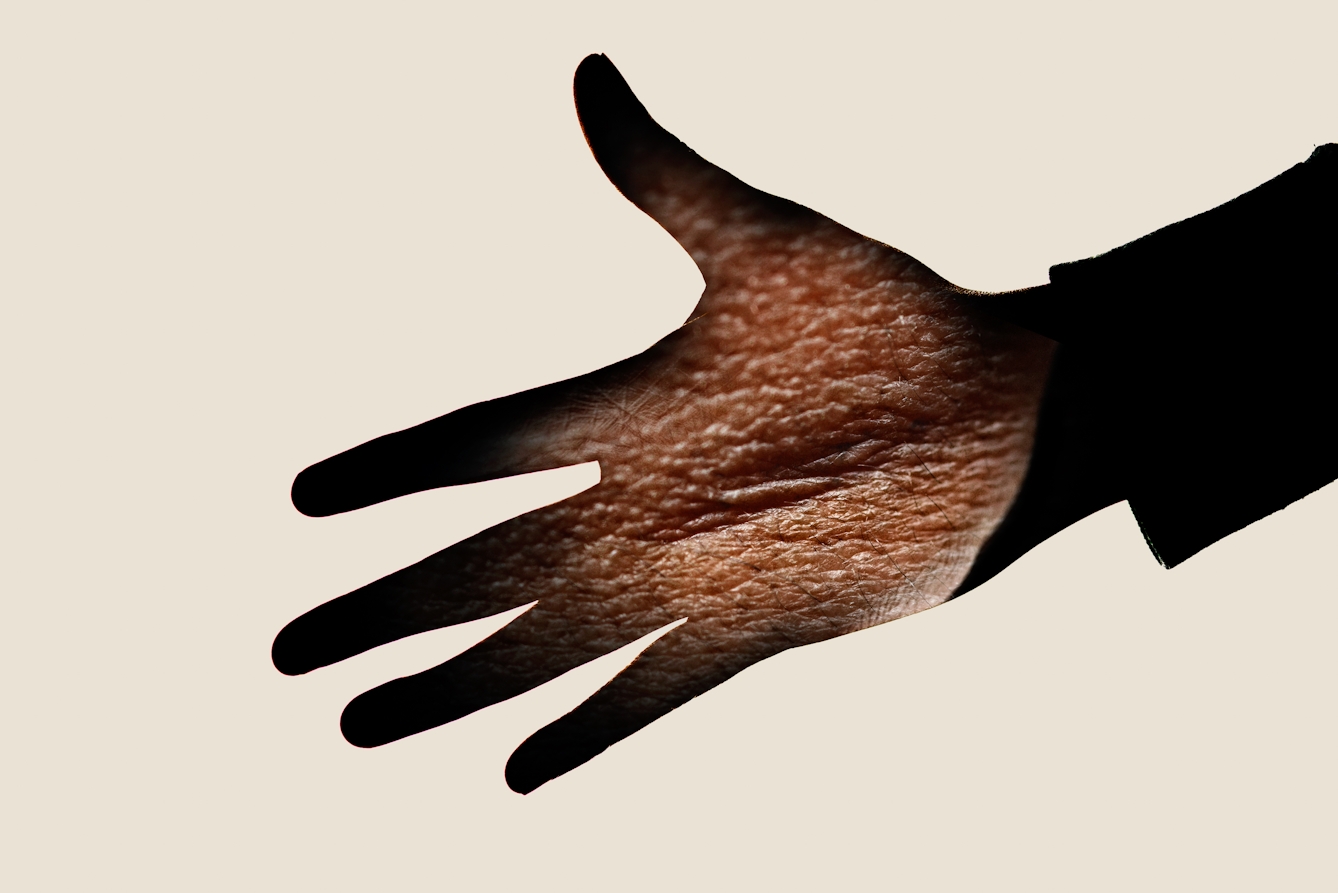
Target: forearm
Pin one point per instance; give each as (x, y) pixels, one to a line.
(1193, 375)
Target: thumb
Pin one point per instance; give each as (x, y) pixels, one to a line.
(707, 210)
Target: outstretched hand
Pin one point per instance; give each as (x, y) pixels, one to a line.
(823, 446)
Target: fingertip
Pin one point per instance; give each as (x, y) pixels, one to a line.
(594, 63)
(600, 88)
(616, 124)
(288, 656)
(526, 770)
(594, 70)
(656, 171)
(308, 496)
(551, 752)
(362, 727)
(522, 785)
(279, 656)
(378, 470)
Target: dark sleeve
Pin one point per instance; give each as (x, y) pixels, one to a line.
(1194, 375)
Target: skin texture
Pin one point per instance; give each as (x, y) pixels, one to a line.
(825, 445)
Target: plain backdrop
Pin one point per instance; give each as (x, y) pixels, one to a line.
(238, 237)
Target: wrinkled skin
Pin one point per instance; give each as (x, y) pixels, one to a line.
(823, 446)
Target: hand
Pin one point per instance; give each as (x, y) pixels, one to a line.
(823, 446)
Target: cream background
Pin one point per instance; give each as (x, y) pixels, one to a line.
(239, 237)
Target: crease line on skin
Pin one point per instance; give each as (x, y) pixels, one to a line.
(717, 520)
(932, 355)
(739, 601)
(892, 355)
(858, 588)
(770, 576)
(882, 549)
(653, 565)
(890, 481)
(937, 481)
(773, 592)
(771, 495)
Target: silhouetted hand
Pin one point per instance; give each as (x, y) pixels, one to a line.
(822, 447)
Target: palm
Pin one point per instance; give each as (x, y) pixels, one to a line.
(822, 447)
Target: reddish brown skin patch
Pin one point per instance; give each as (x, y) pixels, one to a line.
(825, 446)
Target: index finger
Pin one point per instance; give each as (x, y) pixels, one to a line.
(487, 440)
